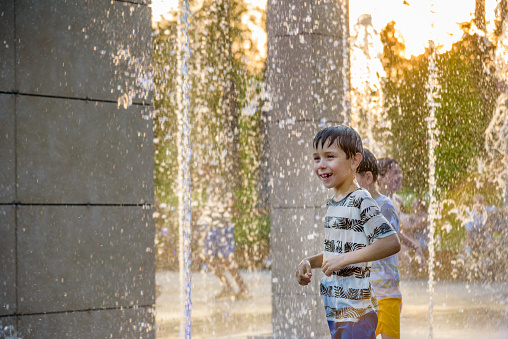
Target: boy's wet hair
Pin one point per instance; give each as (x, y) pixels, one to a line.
(369, 163)
(345, 137)
(384, 165)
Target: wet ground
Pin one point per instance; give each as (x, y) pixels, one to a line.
(215, 318)
(461, 310)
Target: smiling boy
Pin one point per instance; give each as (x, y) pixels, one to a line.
(356, 233)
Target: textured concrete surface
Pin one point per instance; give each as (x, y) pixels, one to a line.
(7, 49)
(80, 258)
(76, 235)
(7, 260)
(294, 182)
(306, 64)
(299, 316)
(289, 74)
(73, 151)
(7, 148)
(120, 323)
(293, 239)
(295, 308)
(82, 49)
(307, 48)
(293, 17)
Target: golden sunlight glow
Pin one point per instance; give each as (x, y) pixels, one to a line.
(413, 19)
(163, 9)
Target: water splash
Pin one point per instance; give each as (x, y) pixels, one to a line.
(345, 71)
(433, 90)
(184, 161)
(368, 115)
(496, 134)
(496, 145)
(8, 332)
(136, 81)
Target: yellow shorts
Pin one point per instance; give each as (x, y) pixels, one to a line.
(389, 317)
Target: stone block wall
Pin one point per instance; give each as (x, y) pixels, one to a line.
(308, 78)
(76, 175)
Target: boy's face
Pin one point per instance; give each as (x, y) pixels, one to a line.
(332, 166)
(392, 180)
(478, 201)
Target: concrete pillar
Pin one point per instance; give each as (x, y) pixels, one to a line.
(76, 175)
(308, 78)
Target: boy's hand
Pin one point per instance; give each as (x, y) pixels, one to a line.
(303, 272)
(334, 263)
(420, 257)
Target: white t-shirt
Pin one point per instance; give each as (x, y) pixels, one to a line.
(384, 274)
(351, 224)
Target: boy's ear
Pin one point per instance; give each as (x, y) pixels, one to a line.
(357, 159)
(369, 177)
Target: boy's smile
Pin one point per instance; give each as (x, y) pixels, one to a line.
(333, 168)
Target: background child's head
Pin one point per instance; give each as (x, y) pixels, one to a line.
(389, 175)
(479, 199)
(479, 202)
(367, 171)
(344, 136)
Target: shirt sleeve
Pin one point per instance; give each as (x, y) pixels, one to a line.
(376, 226)
(388, 211)
(490, 209)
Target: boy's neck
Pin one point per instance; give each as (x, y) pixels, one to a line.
(342, 192)
(386, 192)
(374, 193)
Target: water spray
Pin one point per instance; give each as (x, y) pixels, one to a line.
(432, 94)
(184, 160)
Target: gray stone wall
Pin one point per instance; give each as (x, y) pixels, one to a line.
(308, 78)
(76, 174)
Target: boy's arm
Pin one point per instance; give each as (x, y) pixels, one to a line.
(404, 239)
(380, 249)
(303, 271)
(414, 223)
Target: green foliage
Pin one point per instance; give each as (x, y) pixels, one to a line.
(405, 96)
(221, 85)
(467, 100)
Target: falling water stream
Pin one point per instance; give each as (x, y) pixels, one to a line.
(368, 114)
(345, 71)
(497, 132)
(432, 142)
(432, 95)
(184, 159)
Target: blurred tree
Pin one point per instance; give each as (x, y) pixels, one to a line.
(468, 93)
(501, 12)
(467, 101)
(479, 14)
(405, 100)
(225, 114)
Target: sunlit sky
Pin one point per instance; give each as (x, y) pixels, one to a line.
(414, 19)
